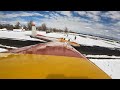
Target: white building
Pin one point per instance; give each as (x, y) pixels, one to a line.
(4, 29)
(19, 30)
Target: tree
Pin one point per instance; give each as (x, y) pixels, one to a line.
(9, 27)
(43, 27)
(54, 30)
(39, 28)
(1, 26)
(17, 26)
(29, 25)
(70, 31)
(51, 29)
(66, 30)
(25, 27)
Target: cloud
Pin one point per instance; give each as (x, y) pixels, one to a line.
(94, 15)
(73, 23)
(115, 15)
(66, 13)
(61, 19)
(47, 11)
(19, 14)
(77, 23)
(81, 12)
(14, 21)
(46, 16)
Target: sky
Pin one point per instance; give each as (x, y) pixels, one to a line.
(102, 23)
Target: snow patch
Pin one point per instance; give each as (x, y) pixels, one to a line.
(103, 56)
(111, 67)
(3, 50)
(88, 41)
(21, 35)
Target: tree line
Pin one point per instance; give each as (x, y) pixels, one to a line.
(16, 26)
(43, 27)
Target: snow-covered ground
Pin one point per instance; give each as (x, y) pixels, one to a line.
(110, 66)
(103, 56)
(85, 41)
(7, 46)
(21, 35)
(2, 50)
(79, 39)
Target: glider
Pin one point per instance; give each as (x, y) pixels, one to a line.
(56, 59)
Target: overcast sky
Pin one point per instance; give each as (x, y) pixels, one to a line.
(93, 22)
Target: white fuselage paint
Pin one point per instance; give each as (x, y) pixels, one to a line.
(34, 32)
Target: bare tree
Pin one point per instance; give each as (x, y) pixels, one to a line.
(9, 27)
(1, 26)
(25, 27)
(17, 26)
(43, 27)
(66, 29)
(39, 28)
(29, 25)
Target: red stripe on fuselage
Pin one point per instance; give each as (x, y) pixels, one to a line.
(59, 49)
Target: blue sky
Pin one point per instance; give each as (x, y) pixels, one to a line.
(92, 22)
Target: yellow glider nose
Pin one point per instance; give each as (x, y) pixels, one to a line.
(52, 60)
(32, 66)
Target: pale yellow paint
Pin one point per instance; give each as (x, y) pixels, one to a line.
(31, 66)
